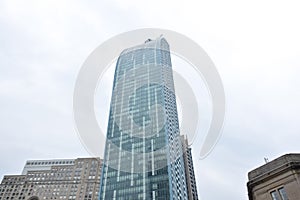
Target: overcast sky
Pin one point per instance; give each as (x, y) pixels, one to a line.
(255, 46)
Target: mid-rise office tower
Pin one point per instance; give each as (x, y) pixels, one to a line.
(68, 179)
(143, 153)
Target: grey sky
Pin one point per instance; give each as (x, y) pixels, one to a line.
(254, 45)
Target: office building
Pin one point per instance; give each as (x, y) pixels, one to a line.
(143, 154)
(276, 180)
(54, 179)
(189, 170)
(37, 165)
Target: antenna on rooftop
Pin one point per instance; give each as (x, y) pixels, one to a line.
(148, 40)
(266, 160)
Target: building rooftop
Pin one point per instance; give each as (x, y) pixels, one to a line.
(45, 164)
(279, 164)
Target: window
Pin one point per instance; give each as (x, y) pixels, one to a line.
(282, 193)
(275, 195)
(279, 194)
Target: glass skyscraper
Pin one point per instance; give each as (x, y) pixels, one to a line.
(143, 153)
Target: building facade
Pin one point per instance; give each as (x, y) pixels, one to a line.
(189, 170)
(143, 154)
(37, 165)
(54, 179)
(276, 180)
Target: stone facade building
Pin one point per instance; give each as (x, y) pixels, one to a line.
(54, 179)
(276, 180)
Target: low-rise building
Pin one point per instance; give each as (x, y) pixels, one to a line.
(276, 180)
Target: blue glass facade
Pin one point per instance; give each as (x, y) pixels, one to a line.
(143, 153)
